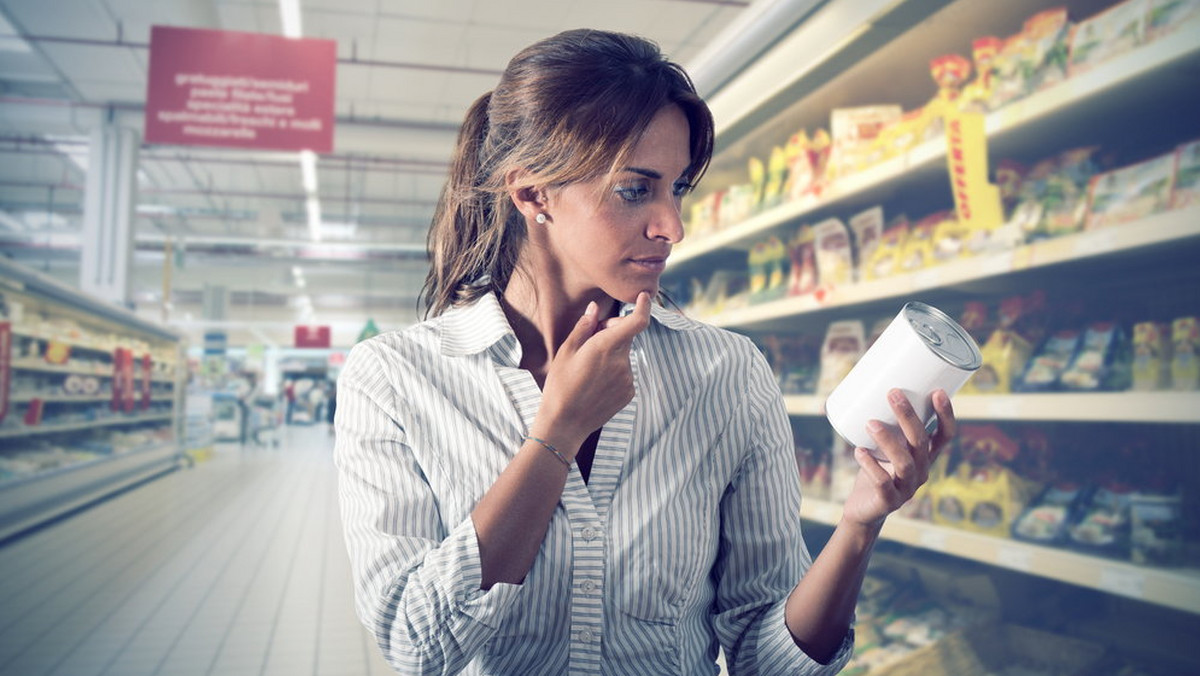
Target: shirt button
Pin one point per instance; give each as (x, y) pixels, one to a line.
(588, 586)
(590, 533)
(586, 636)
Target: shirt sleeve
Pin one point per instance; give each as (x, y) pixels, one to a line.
(417, 586)
(762, 551)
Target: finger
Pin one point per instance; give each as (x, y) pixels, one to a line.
(947, 425)
(878, 476)
(585, 327)
(622, 329)
(891, 442)
(910, 423)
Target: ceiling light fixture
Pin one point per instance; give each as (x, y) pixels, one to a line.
(313, 206)
(308, 171)
(289, 15)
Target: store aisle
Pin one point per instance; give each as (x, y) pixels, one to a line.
(235, 566)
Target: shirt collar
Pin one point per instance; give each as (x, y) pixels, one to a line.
(480, 325)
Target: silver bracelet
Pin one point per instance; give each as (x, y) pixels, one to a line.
(545, 444)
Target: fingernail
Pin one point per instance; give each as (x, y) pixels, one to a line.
(896, 396)
(874, 426)
(590, 311)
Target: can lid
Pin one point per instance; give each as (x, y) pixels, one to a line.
(944, 336)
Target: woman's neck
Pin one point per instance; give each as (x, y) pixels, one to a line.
(543, 316)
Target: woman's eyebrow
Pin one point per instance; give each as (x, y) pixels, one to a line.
(648, 173)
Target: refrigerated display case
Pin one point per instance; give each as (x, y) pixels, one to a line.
(90, 399)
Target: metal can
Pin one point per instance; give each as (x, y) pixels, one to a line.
(921, 351)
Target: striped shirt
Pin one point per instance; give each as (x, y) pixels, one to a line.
(685, 537)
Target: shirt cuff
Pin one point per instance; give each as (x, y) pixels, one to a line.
(465, 574)
(775, 644)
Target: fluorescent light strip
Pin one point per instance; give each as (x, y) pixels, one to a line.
(313, 206)
(289, 15)
(308, 171)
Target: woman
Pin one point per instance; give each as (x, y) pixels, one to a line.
(555, 475)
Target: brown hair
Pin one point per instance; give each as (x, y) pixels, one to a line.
(567, 109)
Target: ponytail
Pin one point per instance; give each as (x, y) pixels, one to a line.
(468, 252)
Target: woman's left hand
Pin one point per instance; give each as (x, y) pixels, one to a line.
(881, 488)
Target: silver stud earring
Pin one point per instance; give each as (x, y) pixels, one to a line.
(540, 218)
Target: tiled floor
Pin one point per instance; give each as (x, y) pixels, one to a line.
(235, 566)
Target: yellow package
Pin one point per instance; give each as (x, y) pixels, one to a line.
(1150, 356)
(800, 171)
(1005, 355)
(885, 259)
(950, 239)
(918, 246)
(758, 182)
(1185, 346)
(776, 172)
(982, 500)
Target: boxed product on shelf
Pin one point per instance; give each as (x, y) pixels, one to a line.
(885, 260)
(1156, 528)
(802, 276)
(769, 270)
(1151, 356)
(795, 360)
(1053, 197)
(844, 345)
(918, 244)
(976, 96)
(1131, 193)
(867, 227)
(1051, 360)
(1115, 31)
(1046, 518)
(808, 159)
(1186, 191)
(834, 253)
(1102, 361)
(981, 494)
(1185, 353)
(1033, 59)
(1169, 16)
(1101, 526)
(852, 131)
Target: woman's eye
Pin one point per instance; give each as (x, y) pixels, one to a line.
(632, 193)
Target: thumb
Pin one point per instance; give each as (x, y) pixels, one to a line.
(585, 327)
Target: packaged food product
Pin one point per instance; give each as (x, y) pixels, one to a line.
(982, 500)
(1185, 350)
(835, 258)
(853, 130)
(1114, 31)
(802, 277)
(843, 346)
(1102, 523)
(1045, 48)
(918, 246)
(1186, 190)
(974, 320)
(867, 227)
(951, 238)
(1151, 356)
(885, 260)
(769, 265)
(1045, 520)
(801, 170)
(796, 360)
(1101, 362)
(758, 182)
(1051, 360)
(1008, 78)
(1168, 16)
(1156, 532)
(776, 173)
(976, 96)
(1131, 193)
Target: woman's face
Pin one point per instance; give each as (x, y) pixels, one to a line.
(616, 240)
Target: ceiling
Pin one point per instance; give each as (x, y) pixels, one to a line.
(243, 259)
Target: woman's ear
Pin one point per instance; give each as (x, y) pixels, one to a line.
(529, 200)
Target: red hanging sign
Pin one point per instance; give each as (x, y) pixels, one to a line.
(312, 336)
(242, 90)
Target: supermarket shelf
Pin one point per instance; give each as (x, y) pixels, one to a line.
(29, 501)
(1149, 407)
(1168, 228)
(90, 424)
(1173, 588)
(41, 367)
(23, 398)
(1076, 91)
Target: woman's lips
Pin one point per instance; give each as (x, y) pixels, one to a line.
(651, 263)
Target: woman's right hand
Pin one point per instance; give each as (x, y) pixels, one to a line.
(590, 379)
